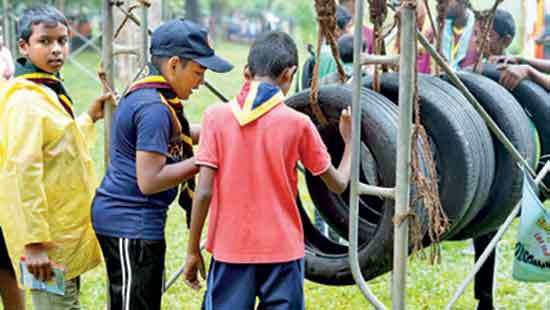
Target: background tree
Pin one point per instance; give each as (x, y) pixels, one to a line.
(192, 10)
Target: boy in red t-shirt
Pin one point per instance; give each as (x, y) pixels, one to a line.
(248, 153)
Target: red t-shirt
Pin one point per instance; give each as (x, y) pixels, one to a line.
(253, 212)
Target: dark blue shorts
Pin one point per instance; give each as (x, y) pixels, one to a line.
(236, 286)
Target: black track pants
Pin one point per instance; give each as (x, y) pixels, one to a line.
(135, 270)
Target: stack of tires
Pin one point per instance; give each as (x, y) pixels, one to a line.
(479, 182)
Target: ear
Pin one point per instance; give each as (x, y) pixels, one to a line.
(247, 74)
(507, 40)
(23, 47)
(287, 75)
(173, 62)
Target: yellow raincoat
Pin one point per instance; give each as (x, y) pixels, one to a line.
(47, 178)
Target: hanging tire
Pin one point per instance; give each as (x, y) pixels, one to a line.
(506, 189)
(325, 262)
(535, 100)
(460, 140)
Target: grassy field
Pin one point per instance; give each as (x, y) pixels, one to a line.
(429, 287)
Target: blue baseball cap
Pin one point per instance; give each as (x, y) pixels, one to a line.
(186, 39)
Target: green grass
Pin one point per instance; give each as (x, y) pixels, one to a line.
(429, 287)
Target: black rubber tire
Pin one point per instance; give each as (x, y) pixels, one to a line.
(536, 102)
(459, 139)
(379, 126)
(506, 189)
(486, 157)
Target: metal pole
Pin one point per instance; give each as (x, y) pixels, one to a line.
(369, 59)
(215, 91)
(8, 33)
(493, 243)
(407, 79)
(356, 144)
(365, 189)
(486, 117)
(144, 34)
(5, 23)
(108, 66)
(164, 10)
(13, 34)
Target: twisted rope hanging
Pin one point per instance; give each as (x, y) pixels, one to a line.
(426, 185)
(485, 19)
(441, 8)
(377, 14)
(326, 11)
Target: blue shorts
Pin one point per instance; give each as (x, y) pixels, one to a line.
(236, 286)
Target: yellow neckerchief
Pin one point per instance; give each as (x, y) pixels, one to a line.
(255, 100)
(457, 32)
(40, 77)
(172, 102)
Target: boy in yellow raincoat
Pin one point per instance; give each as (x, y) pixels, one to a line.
(47, 178)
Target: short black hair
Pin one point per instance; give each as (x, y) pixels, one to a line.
(343, 17)
(46, 14)
(272, 53)
(504, 23)
(157, 61)
(345, 48)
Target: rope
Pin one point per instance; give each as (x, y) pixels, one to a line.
(486, 19)
(441, 8)
(427, 190)
(326, 11)
(378, 12)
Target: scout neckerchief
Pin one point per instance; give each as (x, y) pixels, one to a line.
(26, 70)
(255, 100)
(181, 143)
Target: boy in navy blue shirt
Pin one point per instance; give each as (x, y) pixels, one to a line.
(151, 154)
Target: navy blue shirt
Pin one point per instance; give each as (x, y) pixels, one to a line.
(141, 123)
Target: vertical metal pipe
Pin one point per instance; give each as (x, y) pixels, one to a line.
(164, 10)
(407, 78)
(14, 49)
(108, 66)
(5, 23)
(355, 160)
(145, 34)
(8, 28)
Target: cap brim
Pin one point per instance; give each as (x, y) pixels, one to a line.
(215, 63)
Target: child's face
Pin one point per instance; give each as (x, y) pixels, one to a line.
(47, 47)
(497, 44)
(184, 79)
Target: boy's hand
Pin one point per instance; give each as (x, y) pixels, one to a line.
(194, 263)
(37, 261)
(96, 108)
(511, 76)
(345, 124)
(512, 60)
